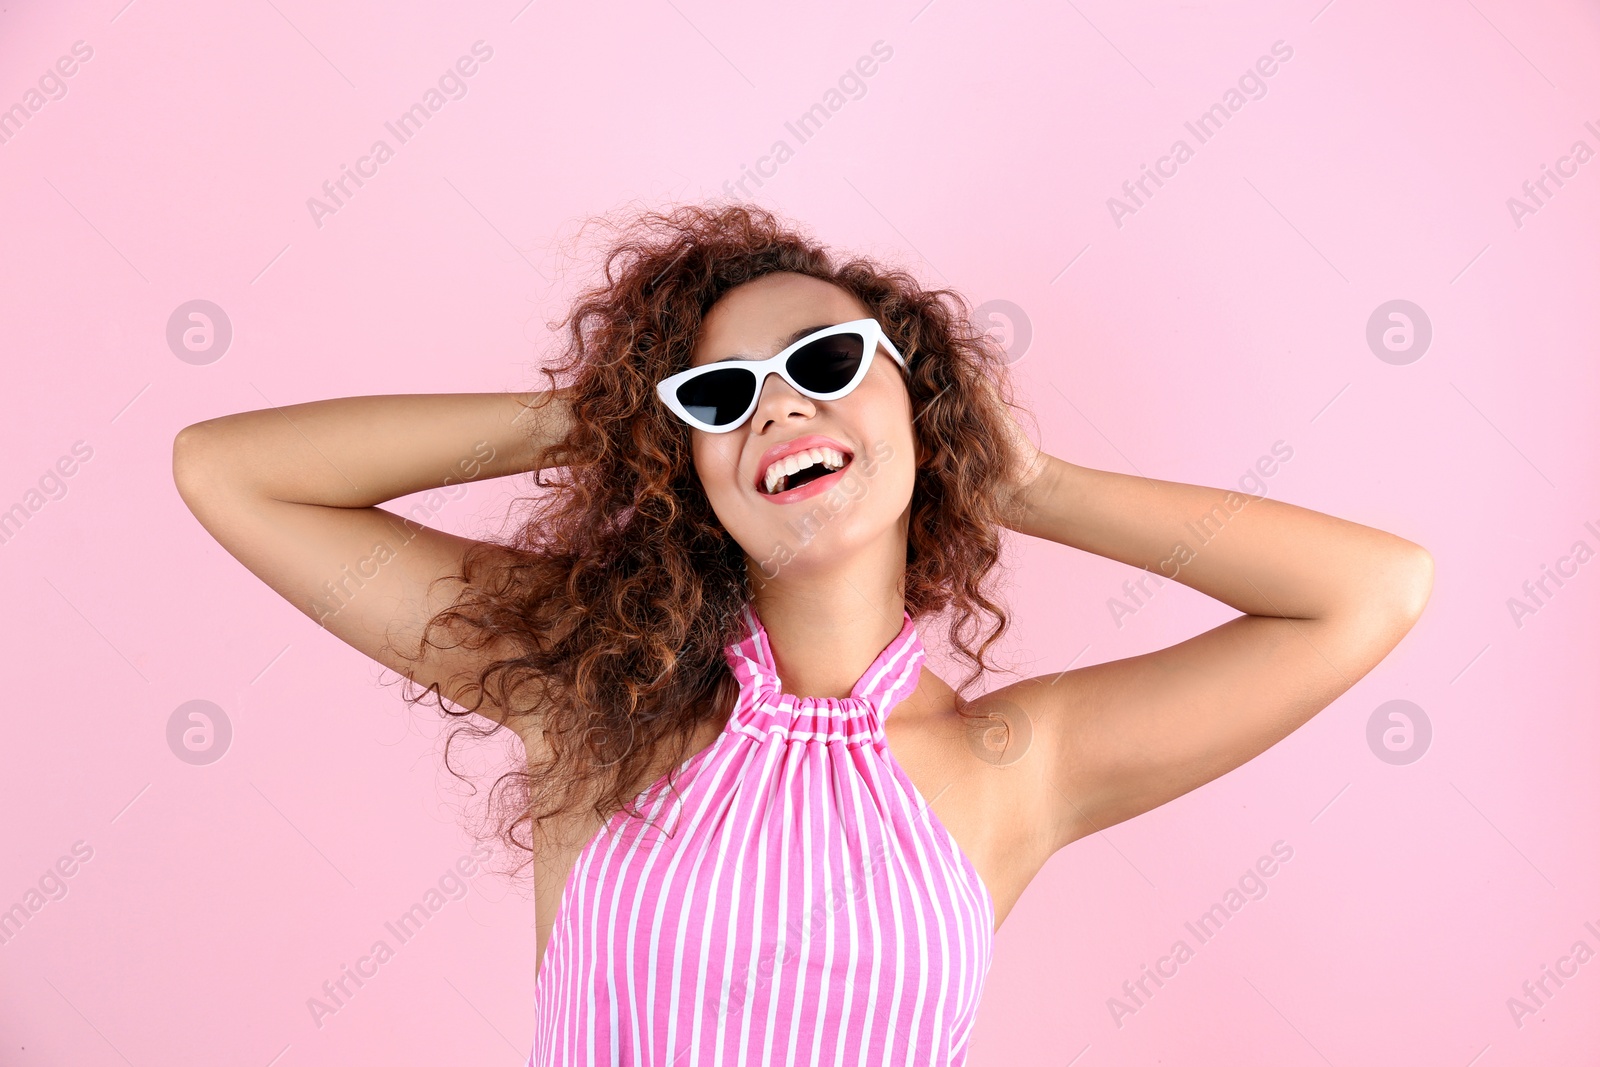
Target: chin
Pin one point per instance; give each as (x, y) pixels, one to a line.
(814, 540)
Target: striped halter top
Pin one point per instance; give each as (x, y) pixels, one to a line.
(796, 902)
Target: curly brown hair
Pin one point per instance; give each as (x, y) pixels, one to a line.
(620, 588)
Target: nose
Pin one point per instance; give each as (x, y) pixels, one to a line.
(780, 402)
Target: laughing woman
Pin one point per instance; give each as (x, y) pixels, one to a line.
(761, 829)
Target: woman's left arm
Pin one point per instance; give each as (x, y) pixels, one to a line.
(1324, 600)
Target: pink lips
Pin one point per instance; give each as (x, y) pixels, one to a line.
(789, 448)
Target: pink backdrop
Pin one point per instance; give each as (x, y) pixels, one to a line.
(1183, 334)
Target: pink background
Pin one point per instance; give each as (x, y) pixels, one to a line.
(1227, 313)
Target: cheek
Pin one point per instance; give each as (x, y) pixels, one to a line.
(716, 463)
(886, 418)
(901, 483)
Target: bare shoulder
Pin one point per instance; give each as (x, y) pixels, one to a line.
(972, 763)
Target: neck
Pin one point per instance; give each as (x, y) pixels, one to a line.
(826, 626)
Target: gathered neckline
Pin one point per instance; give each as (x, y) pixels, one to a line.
(889, 678)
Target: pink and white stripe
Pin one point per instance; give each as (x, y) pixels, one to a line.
(794, 901)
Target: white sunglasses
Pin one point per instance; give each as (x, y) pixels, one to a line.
(824, 365)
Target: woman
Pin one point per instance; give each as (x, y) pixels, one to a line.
(776, 467)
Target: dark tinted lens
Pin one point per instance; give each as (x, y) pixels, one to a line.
(718, 397)
(827, 365)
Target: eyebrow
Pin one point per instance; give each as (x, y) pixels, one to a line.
(791, 339)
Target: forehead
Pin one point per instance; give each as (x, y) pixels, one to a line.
(755, 320)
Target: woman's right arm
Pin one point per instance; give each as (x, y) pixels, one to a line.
(292, 494)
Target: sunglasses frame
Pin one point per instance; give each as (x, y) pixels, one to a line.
(869, 330)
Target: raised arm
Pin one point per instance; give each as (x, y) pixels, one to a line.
(292, 494)
(1324, 600)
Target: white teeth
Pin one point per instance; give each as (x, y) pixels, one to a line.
(780, 470)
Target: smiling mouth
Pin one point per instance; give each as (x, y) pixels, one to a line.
(792, 472)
